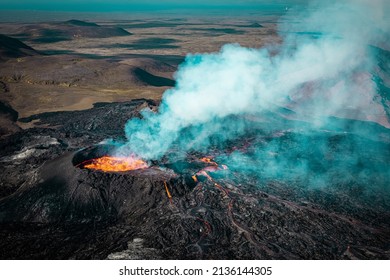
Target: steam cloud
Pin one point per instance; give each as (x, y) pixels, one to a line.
(323, 68)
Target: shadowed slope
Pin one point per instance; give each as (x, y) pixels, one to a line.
(13, 48)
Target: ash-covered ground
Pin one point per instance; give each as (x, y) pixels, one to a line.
(51, 209)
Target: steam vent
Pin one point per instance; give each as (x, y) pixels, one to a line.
(193, 206)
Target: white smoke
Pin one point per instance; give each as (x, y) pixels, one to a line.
(322, 69)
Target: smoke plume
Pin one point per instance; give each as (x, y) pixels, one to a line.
(324, 68)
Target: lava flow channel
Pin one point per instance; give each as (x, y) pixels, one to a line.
(115, 164)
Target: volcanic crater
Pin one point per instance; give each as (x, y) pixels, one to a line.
(192, 206)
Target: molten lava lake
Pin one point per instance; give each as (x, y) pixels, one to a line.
(115, 164)
(100, 158)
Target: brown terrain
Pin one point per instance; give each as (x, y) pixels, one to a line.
(71, 65)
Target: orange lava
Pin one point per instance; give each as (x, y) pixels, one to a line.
(167, 191)
(208, 160)
(115, 164)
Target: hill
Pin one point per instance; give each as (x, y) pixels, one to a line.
(13, 48)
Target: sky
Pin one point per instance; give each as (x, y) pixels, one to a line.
(120, 5)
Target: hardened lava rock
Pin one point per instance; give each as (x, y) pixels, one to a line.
(193, 207)
(63, 192)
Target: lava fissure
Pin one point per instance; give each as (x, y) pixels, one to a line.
(246, 232)
(168, 192)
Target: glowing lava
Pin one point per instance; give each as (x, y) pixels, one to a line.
(208, 160)
(115, 164)
(167, 190)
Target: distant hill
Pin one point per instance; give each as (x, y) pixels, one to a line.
(80, 23)
(13, 48)
(100, 73)
(68, 30)
(254, 25)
